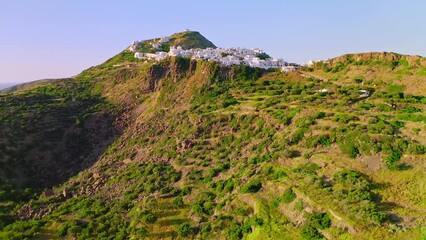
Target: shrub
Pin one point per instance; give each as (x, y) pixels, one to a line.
(252, 186)
(310, 233)
(319, 220)
(288, 196)
(298, 135)
(344, 118)
(178, 201)
(318, 140)
(392, 159)
(417, 149)
(306, 169)
(299, 205)
(263, 56)
(350, 177)
(236, 231)
(185, 229)
(350, 149)
(305, 121)
(149, 218)
(288, 153)
(358, 80)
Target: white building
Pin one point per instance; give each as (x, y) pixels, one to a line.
(139, 55)
(164, 40)
(175, 51)
(156, 45)
(289, 68)
(225, 56)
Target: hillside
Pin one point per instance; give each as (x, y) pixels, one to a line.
(184, 149)
(26, 85)
(190, 39)
(187, 40)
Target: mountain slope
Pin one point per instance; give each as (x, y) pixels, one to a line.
(378, 68)
(190, 39)
(198, 150)
(27, 85)
(187, 40)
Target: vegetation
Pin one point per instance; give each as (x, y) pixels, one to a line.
(194, 150)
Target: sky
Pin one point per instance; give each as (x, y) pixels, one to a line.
(60, 38)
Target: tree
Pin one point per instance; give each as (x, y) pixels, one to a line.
(185, 229)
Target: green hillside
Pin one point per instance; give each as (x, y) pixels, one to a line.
(184, 149)
(26, 85)
(190, 39)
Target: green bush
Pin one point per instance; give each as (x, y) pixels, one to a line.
(318, 140)
(344, 118)
(358, 80)
(299, 205)
(350, 149)
(185, 230)
(288, 196)
(392, 159)
(310, 233)
(416, 148)
(149, 218)
(319, 220)
(252, 186)
(236, 231)
(298, 135)
(178, 201)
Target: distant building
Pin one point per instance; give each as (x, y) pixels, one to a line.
(225, 56)
(139, 55)
(310, 63)
(156, 45)
(164, 40)
(290, 68)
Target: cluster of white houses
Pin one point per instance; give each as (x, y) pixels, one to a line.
(226, 56)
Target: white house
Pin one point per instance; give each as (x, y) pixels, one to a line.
(230, 60)
(164, 40)
(139, 55)
(289, 68)
(156, 45)
(225, 56)
(175, 51)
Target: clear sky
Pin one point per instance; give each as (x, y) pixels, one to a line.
(60, 38)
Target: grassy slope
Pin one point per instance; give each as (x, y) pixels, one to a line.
(198, 140)
(27, 85)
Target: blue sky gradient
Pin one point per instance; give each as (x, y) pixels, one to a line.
(59, 38)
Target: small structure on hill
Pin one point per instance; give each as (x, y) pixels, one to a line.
(364, 93)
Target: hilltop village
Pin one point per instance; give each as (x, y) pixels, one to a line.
(227, 56)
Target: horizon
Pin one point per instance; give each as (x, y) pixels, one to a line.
(60, 39)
